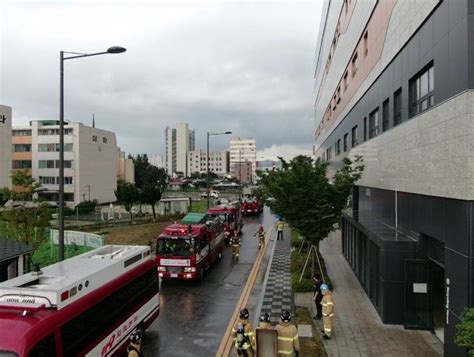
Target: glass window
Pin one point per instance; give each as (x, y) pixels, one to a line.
(21, 133)
(338, 147)
(346, 138)
(345, 81)
(422, 90)
(355, 139)
(374, 123)
(21, 147)
(366, 43)
(44, 348)
(329, 154)
(355, 65)
(365, 129)
(21, 164)
(397, 107)
(385, 120)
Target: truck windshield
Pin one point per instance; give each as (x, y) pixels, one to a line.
(222, 216)
(8, 354)
(175, 247)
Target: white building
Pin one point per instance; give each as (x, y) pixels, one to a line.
(243, 150)
(5, 146)
(125, 168)
(90, 160)
(158, 161)
(179, 142)
(218, 162)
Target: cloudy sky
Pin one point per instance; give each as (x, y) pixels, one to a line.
(240, 66)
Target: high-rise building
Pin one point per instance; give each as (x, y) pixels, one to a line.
(218, 162)
(241, 151)
(178, 142)
(125, 168)
(243, 171)
(5, 146)
(157, 160)
(90, 160)
(394, 83)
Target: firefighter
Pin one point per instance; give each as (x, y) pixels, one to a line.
(288, 340)
(261, 237)
(280, 226)
(328, 311)
(264, 322)
(133, 349)
(243, 336)
(235, 243)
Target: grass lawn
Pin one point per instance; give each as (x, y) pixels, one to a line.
(46, 255)
(297, 263)
(200, 206)
(309, 346)
(139, 234)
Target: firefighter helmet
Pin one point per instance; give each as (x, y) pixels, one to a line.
(136, 337)
(244, 314)
(324, 287)
(265, 317)
(285, 316)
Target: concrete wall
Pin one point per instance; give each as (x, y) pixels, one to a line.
(5, 146)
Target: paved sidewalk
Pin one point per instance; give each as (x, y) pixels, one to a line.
(278, 293)
(358, 330)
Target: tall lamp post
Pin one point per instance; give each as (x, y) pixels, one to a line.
(207, 160)
(111, 50)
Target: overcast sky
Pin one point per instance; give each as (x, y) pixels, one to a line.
(246, 67)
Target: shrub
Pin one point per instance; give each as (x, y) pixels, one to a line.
(465, 331)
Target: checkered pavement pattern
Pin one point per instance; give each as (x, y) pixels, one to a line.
(278, 293)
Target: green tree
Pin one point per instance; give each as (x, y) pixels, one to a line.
(26, 186)
(150, 194)
(5, 195)
(465, 331)
(127, 194)
(141, 165)
(301, 192)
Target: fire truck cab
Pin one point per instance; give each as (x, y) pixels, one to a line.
(251, 205)
(187, 251)
(230, 215)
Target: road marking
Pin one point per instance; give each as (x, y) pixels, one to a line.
(226, 342)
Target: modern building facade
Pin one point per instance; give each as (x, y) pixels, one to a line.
(5, 146)
(393, 83)
(125, 168)
(179, 141)
(241, 151)
(158, 161)
(218, 162)
(243, 171)
(90, 160)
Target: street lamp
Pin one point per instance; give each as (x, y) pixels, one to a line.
(62, 58)
(207, 160)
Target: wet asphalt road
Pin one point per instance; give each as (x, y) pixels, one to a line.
(194, 315)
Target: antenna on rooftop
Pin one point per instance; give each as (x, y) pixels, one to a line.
(93, 120)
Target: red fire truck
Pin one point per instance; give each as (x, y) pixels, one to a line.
(84, 306)
(251, 205)
(230, 215)
(187, 251)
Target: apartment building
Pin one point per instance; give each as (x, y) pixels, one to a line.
(90, 160)
(393, 83)
(5, 146)
(179, 141)
(243, 171)
(218, 162)
(241, 151)
(125, 168)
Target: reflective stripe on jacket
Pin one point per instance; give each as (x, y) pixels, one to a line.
(288, 340)
(328, 305)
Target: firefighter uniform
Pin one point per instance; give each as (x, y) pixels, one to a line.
(133, 350)
(328, 311)
(261, 236)
(235, 242)
(246, 347)
(288, 340)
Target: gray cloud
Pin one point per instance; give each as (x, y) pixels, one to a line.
(245, 67)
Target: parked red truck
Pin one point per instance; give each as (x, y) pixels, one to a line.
(230, 215)
(187, 251)
(251, 205)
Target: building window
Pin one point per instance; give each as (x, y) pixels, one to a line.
(365, 129)
(54, 180)
(21, 147)
(422, 90)
(355, 65)
(94, 138)
(104, 140)
(355, 139)
(345, 143)
(338, 147)
(21, 133)
(329, 153)
(53, 164)
(397, 107)
(374, 123)
(345, 81)
(338, 94)
(366, 43)
(385, 113)
(53, 147)
(67, 131)
(21, 164)
(334, 102)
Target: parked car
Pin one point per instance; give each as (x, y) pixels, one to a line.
(212, 194)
